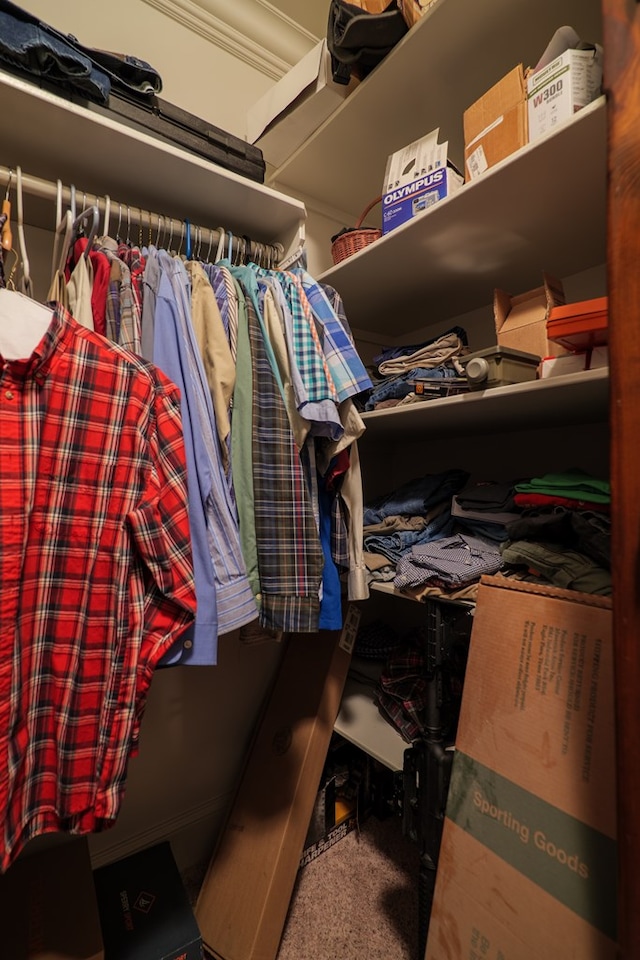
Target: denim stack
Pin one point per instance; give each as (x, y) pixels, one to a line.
(38, 50)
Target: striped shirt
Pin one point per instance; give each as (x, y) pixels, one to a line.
(96, 574)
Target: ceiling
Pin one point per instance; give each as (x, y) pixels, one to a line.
(312, 15)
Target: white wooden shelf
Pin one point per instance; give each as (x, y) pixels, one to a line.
(99, 154)
(455, 53)
(360, 721)
(556, 401)
(542, 208)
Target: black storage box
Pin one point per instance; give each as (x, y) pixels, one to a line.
(144, 908)
(171, 123)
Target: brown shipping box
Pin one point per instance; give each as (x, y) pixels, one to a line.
(527, 866)
(495, 125)
(48, 906)
(521, 321)
(413, 10)
(243, 902)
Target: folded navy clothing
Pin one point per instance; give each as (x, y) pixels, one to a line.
(416, 496)
(487, 495)
(39, 49)
(27, 44)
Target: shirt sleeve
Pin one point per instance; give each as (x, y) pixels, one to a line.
(161, 536)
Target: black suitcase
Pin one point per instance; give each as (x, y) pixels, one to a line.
(169, 122)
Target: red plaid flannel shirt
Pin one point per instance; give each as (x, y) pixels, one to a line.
(96, 577)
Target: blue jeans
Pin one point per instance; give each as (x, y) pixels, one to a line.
(395, 388)
(415, 497)
(395, 545)
(28, 45)
(40, 49)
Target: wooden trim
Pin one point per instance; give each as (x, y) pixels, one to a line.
(622, 82)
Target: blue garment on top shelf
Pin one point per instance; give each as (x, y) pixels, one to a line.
(416, 496)
(395, 388)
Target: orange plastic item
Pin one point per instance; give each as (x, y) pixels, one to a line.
(580, 326)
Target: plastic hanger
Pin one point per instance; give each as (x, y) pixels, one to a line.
(27, 283)
(63, 232)
(6, 242)
(221, 242)
(80, 227)
(107, 215)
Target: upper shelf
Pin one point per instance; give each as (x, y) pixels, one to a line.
(51, 137)
(452, 56)
(557, 401)
(542, 208)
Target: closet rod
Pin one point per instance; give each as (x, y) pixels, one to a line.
(156, 226)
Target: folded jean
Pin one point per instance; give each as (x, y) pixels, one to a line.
(416, 496)
(398, 387)
(40, 49)
(33, 48)
(396, 544)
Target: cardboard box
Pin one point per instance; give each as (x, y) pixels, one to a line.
(245, 896)
(49, 909)
(495, 125)
(415, 178)
(412, 10)
(527, 865)
(294, 107)
(564, 86)
(521, 321)
(144, 908)
(560, 366)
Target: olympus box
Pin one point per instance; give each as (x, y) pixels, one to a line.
(416, 178)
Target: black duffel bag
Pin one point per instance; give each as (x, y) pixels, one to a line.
(358, 40)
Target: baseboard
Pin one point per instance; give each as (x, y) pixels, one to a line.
(192, 834)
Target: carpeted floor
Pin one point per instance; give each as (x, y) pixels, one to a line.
(358, 900)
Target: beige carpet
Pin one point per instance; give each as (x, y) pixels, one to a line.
(358, 900)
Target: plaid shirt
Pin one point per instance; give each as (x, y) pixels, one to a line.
(95, 573)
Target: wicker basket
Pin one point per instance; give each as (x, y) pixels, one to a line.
(352, 239)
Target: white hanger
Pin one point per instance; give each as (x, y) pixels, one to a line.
(107, 215)
(27, 283)
(221, 241)
(63, 234)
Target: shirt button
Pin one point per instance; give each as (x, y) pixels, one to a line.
(258, 596)
(188, 644)
(9, 395)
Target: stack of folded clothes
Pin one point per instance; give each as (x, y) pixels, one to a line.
(36, 49)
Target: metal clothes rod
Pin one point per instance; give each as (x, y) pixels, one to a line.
(149, 227)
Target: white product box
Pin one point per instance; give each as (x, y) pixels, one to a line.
(416, 177)
(559, 366)
(295, 106)
(564, 86)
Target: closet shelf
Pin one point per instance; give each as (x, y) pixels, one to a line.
(542, 208)
(101, 155)
(360, 722)
(558, 401)
(453, 55)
